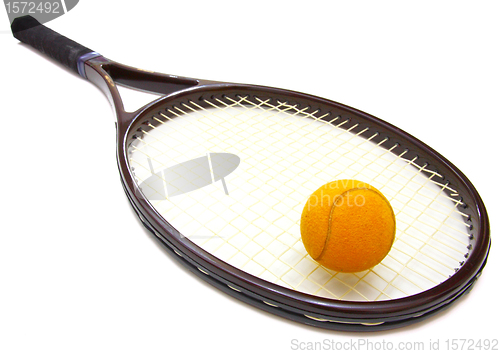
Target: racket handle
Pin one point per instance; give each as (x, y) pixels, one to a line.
(65, 51)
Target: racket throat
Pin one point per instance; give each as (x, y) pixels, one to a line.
(107, 74)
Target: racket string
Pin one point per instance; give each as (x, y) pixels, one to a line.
(280, 257)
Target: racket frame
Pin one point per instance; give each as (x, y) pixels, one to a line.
(288, 303)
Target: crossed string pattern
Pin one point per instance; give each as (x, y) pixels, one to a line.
(286, 153)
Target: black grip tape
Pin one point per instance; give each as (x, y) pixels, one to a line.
(65, 51)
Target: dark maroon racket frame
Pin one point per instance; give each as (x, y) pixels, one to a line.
(294, 305)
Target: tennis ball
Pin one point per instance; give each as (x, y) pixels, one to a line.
(347, 226)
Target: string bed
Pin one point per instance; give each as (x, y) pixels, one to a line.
(286, 152)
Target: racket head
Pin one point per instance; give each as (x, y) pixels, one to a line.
(320, 309)
(192, 97)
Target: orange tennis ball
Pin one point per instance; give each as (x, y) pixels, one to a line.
(348, 226)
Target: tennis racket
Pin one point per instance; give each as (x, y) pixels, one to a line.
(220, 172)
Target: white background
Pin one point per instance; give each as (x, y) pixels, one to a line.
(79, 274)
